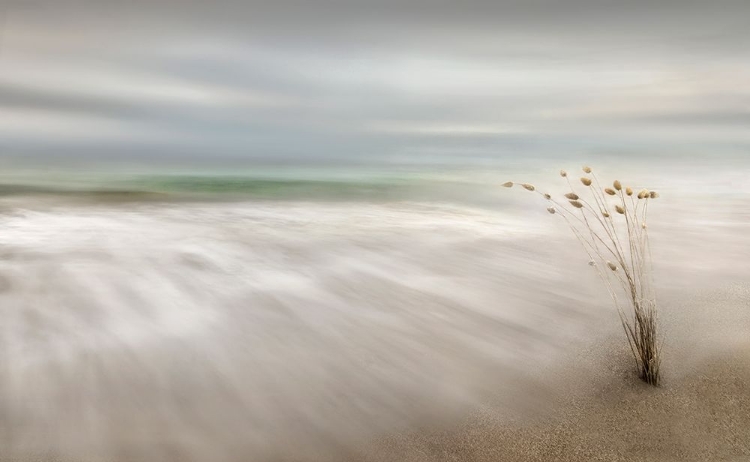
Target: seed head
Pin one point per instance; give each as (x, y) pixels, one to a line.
(653, 194)
(572, 196)
(563, 173)
(620, 209)
(606, 214)
(551, 210)
(586, 181)
(644, 193)
(617, 185)
(547, 196)
(592, 263)
(508, 184)
(576, 204)
(610, 191)
(612, 266)
(587, 169)
(527, 186)
(629, 191)
(643, 225)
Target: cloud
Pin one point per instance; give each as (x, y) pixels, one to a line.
(370, 80)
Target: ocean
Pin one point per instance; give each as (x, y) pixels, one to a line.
(287, 315)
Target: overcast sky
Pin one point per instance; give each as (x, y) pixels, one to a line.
(386, 80)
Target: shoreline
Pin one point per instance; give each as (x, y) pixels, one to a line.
(703, 416)
(470, 358)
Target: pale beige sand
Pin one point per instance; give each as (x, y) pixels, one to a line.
(603, 412)
(702, 417)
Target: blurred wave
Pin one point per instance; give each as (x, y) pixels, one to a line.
(242, 187)
(184, 327)
(264, 330)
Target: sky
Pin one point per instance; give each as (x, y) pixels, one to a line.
(372, 81)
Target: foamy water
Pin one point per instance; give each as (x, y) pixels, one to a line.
(265, 330)
(214, 330)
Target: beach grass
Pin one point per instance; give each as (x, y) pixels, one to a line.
(610, 223)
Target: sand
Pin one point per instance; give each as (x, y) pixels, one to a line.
(704, 417)
(603, 412)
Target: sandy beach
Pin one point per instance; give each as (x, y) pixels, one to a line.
(608, 416)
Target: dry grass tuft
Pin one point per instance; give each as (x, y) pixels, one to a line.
(622, 246)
